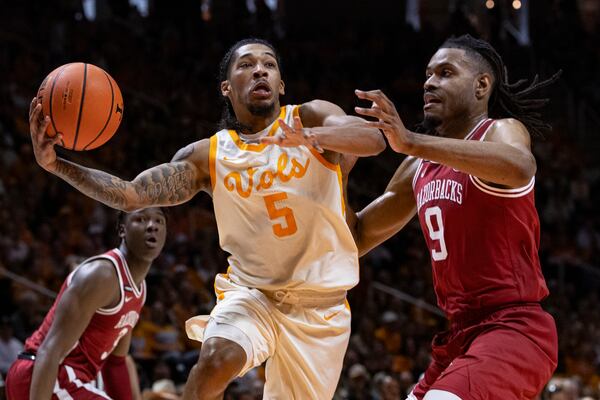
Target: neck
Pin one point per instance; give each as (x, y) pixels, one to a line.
(458, 128)
(137, 266)
(256, 123)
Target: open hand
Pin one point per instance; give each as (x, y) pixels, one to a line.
(293, 136)
(43, 145)
(389, 121)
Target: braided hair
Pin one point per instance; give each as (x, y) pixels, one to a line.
(228, 118)
(507, 100)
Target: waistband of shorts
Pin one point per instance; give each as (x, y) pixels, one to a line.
(26, 355)
(472, 317)
(306, 298)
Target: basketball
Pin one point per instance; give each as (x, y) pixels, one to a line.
(84, 104)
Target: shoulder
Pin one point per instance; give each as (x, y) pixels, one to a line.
(507, 130)
(193, 151)
(314, 113)
(95, 278)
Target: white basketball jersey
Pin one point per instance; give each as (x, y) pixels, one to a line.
(280, 214)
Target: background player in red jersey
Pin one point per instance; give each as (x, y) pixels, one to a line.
(88, 328)
(471, 182)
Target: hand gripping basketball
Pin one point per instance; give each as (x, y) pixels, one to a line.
(43, 145)
(84, 104)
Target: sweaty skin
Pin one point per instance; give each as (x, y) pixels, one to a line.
(456, 94)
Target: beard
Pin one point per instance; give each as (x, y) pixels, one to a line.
(430, 123)
(262, 110)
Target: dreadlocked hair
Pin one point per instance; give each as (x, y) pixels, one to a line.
(507, 100)
(228, 119)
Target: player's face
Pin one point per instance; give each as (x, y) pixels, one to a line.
(254, 80)
(449, 89)
(145, 232)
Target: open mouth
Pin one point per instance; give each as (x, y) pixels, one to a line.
(430, 100)
(261, 89)
(151, 241)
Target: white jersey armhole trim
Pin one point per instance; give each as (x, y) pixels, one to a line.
(104, 311)
(470, 135)
(417, 172)
(499, 192)
(117, 308)
(136, 291)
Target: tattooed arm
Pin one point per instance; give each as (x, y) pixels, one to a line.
(164, 185)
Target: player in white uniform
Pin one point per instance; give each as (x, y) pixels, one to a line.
(280, 213)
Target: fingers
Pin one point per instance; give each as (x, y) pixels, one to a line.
(376, 96)
(44, 126)
(286, 129)
(32, 107)
(270, 139)
(374, 112)
(372, 95)
(383, 125)
(297, 123)
(34, 111)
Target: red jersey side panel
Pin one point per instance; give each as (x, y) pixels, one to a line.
(483, 241)
(106, 327)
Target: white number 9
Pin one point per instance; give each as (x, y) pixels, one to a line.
(436, 234)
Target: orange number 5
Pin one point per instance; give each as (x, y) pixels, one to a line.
(286, 212)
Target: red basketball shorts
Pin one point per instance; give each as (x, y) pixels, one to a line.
(509, 354)
(70, 384)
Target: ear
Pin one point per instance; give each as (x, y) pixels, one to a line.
(225, 88)
(121, 231)
(483, 85)
(281, 87)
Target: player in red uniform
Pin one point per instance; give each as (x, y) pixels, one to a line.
(88, 329)
(471, 183)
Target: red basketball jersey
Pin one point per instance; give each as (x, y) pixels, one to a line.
(483, 240)
(106, 327)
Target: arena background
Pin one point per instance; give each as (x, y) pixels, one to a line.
(164, 56)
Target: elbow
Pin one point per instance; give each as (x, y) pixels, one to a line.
(524, 172)
(378, 144)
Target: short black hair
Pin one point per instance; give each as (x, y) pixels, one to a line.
(228, 119)
(507, 100)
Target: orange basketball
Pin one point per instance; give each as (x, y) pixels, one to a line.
(84, 104)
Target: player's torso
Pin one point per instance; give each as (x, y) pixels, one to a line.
(280, 214)
(107, 326)
(483, 241)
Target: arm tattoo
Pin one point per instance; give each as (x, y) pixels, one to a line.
(98, 185)
(163, 185)
(166, 184)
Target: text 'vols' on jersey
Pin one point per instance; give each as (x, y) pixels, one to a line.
(107, 326)
(280, 214)
(483, 240)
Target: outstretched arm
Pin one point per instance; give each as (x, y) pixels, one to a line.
(504, 158)
(387, 214)
(164, 185)
(326, 126)
(93, 286)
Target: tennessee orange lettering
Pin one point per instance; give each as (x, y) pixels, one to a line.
(237, 178)
(234, 180)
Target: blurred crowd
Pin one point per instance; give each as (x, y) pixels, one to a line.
(166, 66)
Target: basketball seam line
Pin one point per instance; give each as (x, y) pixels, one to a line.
(112, 103)
(80, 104)
(58, 74)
